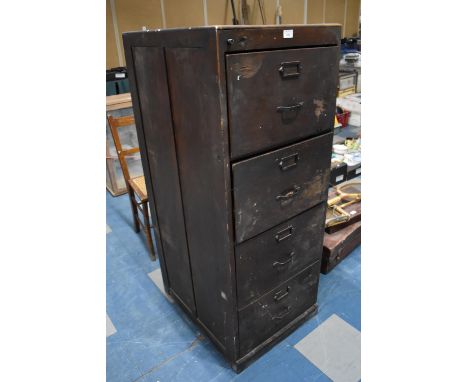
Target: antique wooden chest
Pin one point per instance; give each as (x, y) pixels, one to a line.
(339, 244)
(235, 130)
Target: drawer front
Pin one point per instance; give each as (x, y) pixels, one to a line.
(276, 186)
(278, 97)
(264, 317)
(276, 255)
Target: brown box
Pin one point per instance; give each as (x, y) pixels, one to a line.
(338, 245)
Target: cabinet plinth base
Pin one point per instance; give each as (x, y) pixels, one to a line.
(264, 347)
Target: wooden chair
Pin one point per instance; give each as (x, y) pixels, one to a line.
(136, 187)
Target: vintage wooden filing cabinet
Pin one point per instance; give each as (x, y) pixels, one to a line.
(235, 130)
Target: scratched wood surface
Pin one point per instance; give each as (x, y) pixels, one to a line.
(276, 97)
(267, 193)
(280, 252)
(287, 301)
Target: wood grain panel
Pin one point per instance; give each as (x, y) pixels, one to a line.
(163, 175)
(112, 58)
(335, 12)
(184, 13)
(315, 11)
(352, 18)
(201, 145)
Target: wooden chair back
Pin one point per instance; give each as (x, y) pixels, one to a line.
(115, 123)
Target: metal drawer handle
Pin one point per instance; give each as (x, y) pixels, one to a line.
(280, 295)
(283, 314)
(284, 234)
(290, 108)
(290, 69)
(288, 260)
(288, 161)
(289, 194)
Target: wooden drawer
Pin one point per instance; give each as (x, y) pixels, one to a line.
(276, 255)
(278, 97)
(262, 318)
(273, 187)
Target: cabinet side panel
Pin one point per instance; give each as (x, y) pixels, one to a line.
(151, 79)
(128, 45)
(203, 157)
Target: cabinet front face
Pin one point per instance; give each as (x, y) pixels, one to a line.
(261, 319)
(277, 97)
(273, 187)
(274, 256)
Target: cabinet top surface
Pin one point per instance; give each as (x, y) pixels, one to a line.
(229, 27)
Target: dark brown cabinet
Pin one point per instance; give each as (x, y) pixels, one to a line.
(235, 130)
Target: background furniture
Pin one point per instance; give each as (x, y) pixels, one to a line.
(341, 239)
(118, 106)
(136, 186)
(116, 81)
(339, 244)
(235, 123)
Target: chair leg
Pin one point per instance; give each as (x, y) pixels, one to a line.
(147, 229)
(136, 223)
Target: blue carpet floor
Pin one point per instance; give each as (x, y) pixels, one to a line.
(155, 341)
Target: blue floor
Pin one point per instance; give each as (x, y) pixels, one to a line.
(155, 341)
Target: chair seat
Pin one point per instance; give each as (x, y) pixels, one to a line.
(139, 186)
